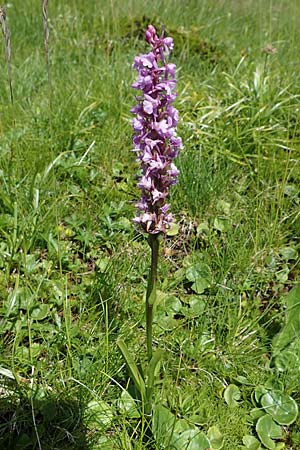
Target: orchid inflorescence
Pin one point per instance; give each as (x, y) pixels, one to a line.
(155, 139)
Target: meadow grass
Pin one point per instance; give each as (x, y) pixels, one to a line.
(73, 268)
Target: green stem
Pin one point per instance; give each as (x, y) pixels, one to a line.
(151, 291)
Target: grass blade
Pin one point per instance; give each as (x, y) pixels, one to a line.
(46, 38)
(6, 34)
(132, 367)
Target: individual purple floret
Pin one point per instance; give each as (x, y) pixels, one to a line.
(155, 139)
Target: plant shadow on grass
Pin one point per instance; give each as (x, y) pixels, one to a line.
(49, 423)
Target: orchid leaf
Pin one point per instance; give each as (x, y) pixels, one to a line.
(153, 366)
(151, 378)
(133, 369)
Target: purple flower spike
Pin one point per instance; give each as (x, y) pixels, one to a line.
(155, 140)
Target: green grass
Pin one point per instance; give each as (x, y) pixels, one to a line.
(73, 268)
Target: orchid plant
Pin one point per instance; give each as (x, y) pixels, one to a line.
(156, 144)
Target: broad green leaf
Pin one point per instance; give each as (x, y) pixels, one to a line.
(288, 253)
(190, 440)
(30, 264)
(199, 270)
(268, 430)
(177, 434)
(251, 443)
(182, 425)
(274, 384)
(166, 322)
(196, 307)
(283, 275)
(36, 348)
(169, 304)
(127, 406)
(200, 285)
(215, 438)
(201, 418)
(27, 300)
(223, 207)
(163, 424)
(243, 380)
(281, 407)
(166, 307)
(231, 395)
(40, 312)
(173, 230)
(103, 264)
(222, 224)
(287, 360)
(256, 413)
(98, 413)
(200, 275)
(117, 168)
(104, 443)
(202, 229)
(259, 391)
(291, 329)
